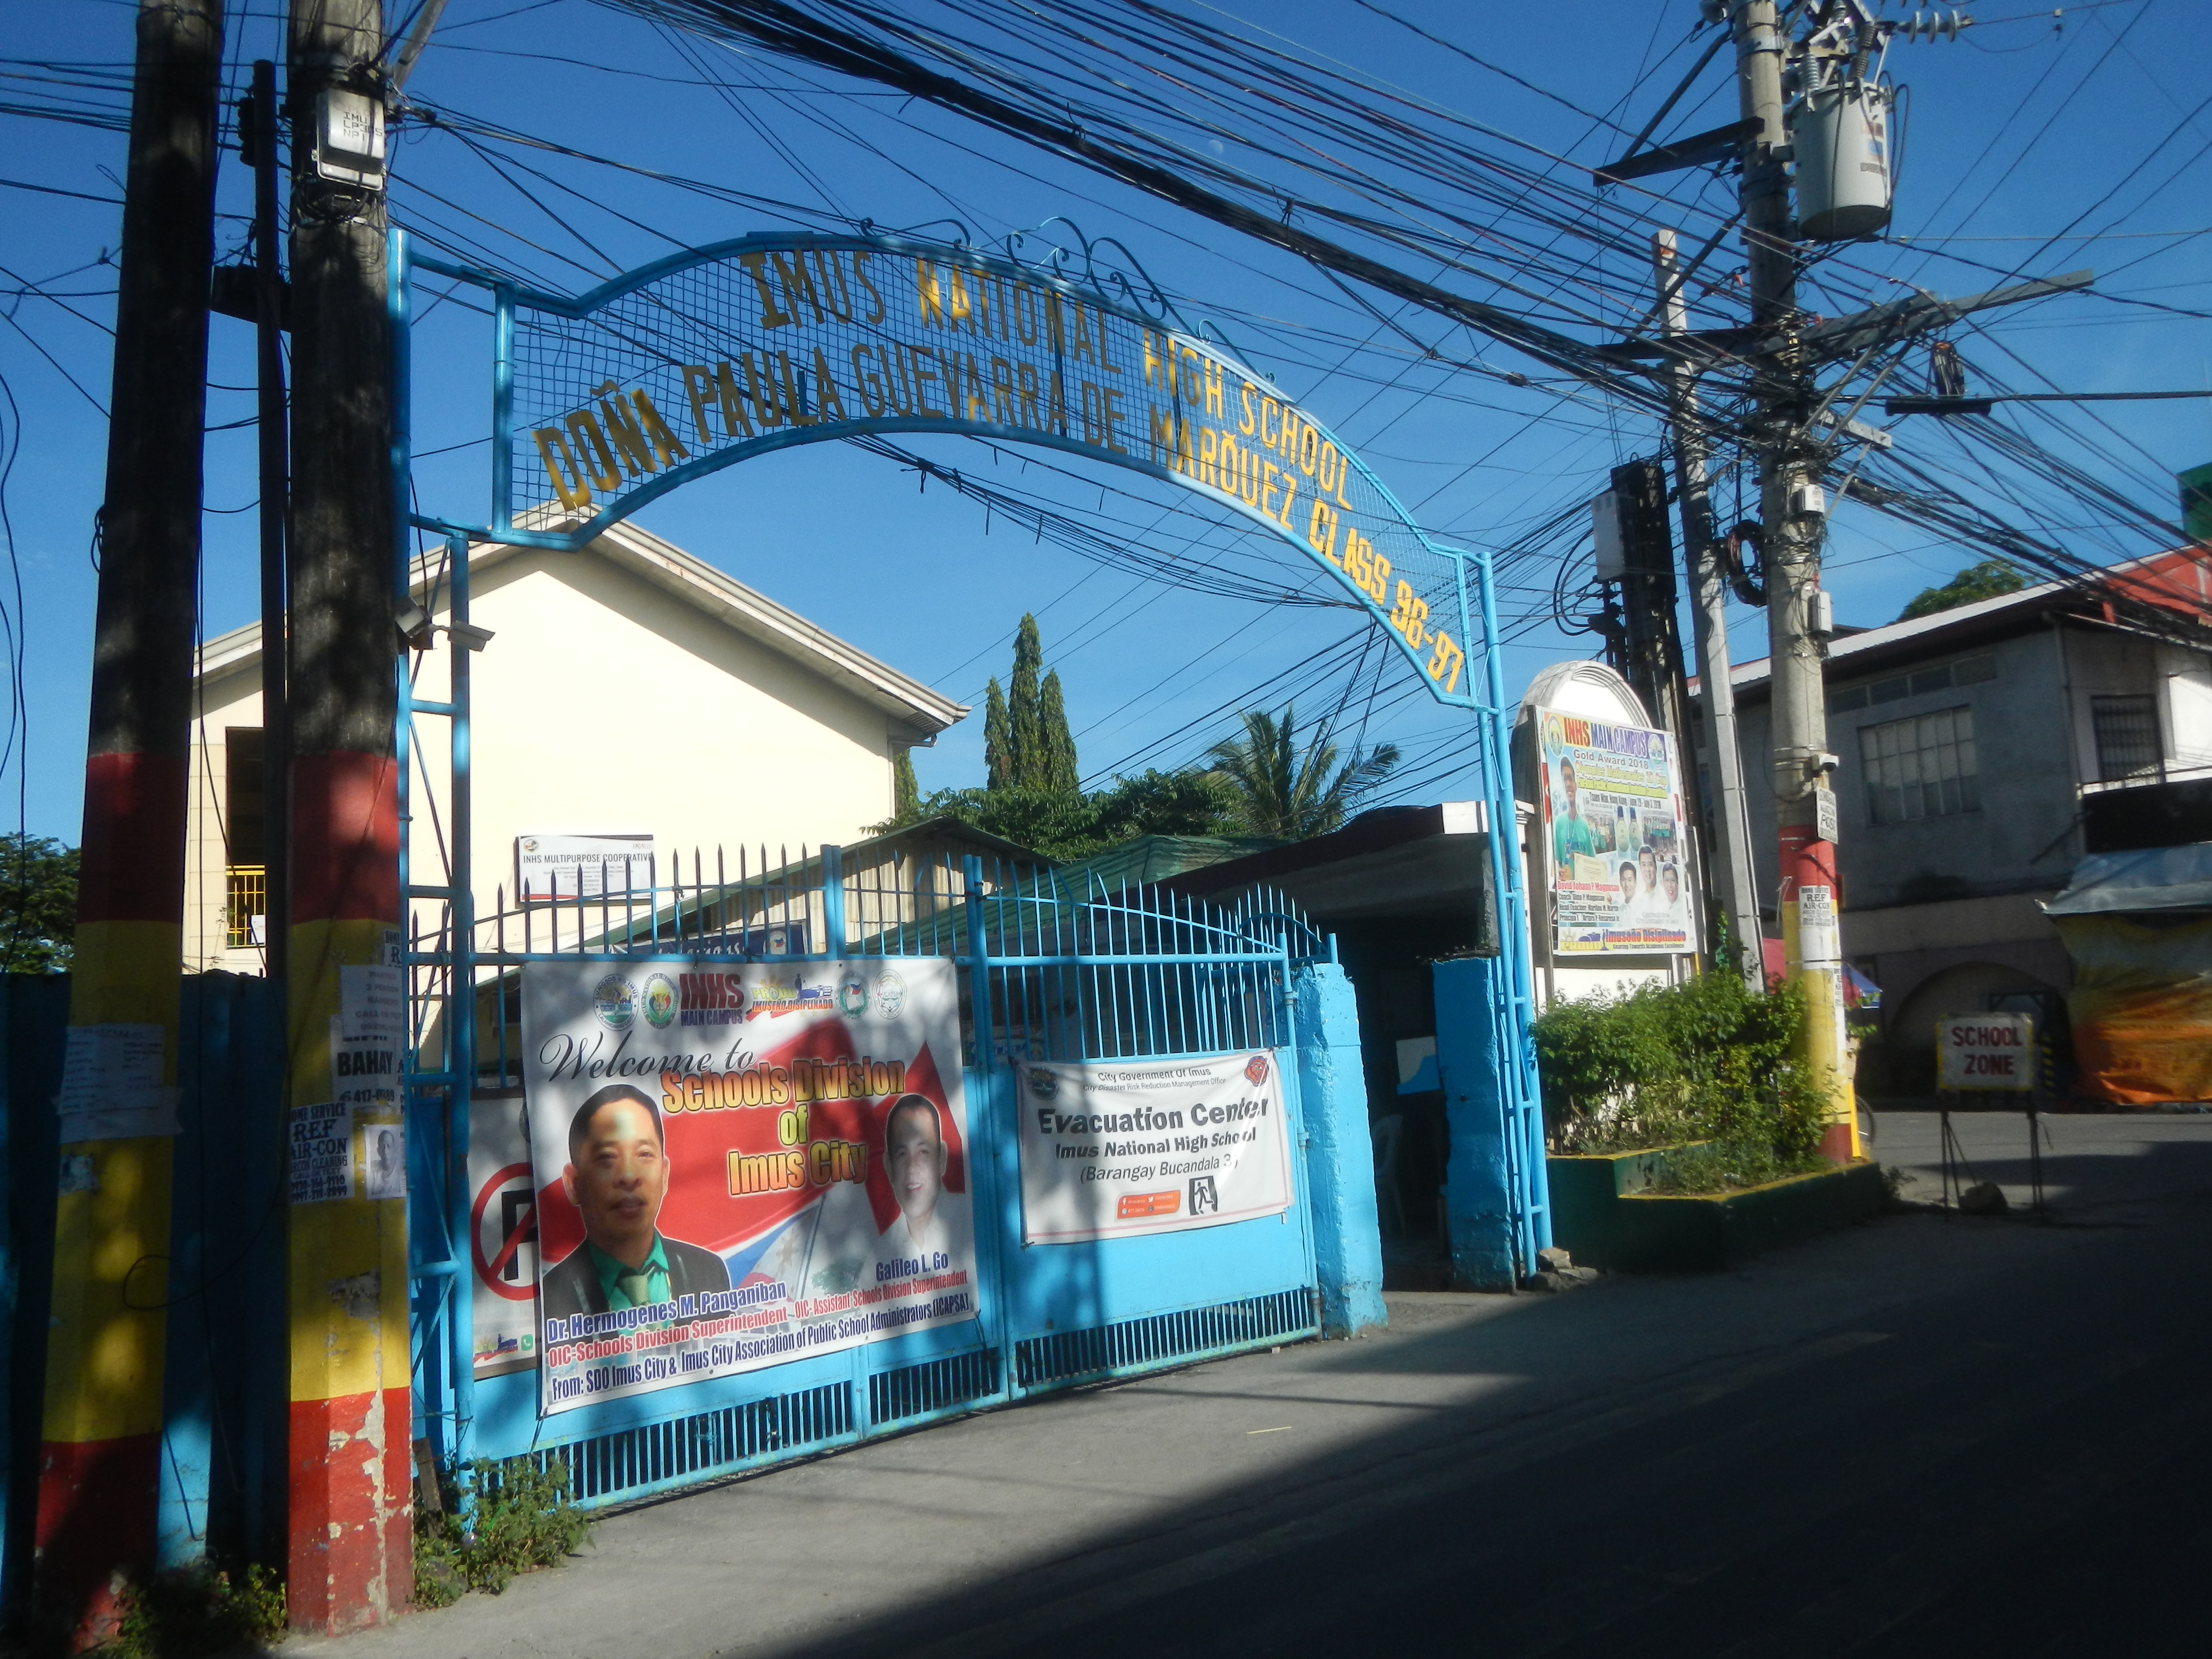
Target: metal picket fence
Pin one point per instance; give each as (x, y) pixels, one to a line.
(1049, 971)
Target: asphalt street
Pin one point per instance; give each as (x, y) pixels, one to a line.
(1926, 1435)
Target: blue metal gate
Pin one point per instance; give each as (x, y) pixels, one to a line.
(1046, 973)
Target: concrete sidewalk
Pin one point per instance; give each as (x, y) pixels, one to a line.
(1520, 1473)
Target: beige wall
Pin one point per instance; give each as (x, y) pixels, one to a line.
(603, 703)
(233, 701)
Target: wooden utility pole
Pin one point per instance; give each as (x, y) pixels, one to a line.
(1794, 510)
(99, 1457)
(350, 1561)
(1728, 834)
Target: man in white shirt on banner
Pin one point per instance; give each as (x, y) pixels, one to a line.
(914, 1159)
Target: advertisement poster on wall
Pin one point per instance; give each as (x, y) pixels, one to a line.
(738, 1165)
(1612, 828)
(1112, 1149)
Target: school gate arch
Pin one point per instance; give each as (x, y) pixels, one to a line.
(604, 401)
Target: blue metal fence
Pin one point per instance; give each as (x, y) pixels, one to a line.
(1046, 973)
(224, 1388)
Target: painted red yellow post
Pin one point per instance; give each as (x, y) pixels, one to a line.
(1811, 937)
(101, 1434)
(99, 1457)
(351, 1561)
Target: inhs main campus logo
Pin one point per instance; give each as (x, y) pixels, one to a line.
(614, 1000)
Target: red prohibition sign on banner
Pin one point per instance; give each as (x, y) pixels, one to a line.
(517, 1226)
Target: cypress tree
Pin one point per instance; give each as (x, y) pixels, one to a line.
(906, 793)
(998, 760)
(1061, 774)
(1025, 740)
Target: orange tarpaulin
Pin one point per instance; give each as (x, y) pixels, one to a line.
(2140, 1008)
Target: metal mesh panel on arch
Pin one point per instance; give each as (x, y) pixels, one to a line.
(775, 341)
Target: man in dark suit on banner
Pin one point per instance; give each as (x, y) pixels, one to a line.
(617, 1176)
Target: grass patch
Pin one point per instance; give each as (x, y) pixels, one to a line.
(525, 1519)
(1722, 1166)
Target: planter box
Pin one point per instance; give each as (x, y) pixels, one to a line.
(1606, 1213)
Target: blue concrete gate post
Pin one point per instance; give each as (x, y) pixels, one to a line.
(1339, 1151)
(1480, 1213)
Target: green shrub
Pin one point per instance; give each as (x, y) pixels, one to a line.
(524, 1519)
(1706, 1060)
(202, 1611)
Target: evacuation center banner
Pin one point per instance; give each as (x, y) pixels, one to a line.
(1112, 1149)
(737, 1164)
(1612, 826)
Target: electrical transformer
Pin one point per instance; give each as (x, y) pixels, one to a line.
(1841, 135)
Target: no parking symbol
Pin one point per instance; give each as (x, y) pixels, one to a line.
(505, 1214)
(503, 1236)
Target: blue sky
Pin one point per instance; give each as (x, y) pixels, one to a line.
(2021, 130)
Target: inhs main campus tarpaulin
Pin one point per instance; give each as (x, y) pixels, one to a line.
(740, 1165)
(1612, 829)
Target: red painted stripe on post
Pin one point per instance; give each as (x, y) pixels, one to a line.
(132, 865)
(97, 1503)
(345, 838)
(352, 1560)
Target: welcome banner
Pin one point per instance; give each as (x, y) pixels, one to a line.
(739, 1164)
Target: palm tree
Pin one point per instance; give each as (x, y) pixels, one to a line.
(1286, 796)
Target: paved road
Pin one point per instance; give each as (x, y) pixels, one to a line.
(1925, 1436)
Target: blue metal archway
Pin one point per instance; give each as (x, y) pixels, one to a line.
(604, 401)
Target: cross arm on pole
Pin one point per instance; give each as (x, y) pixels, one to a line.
(1845, 337)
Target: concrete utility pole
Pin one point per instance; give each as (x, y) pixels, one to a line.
(1794, 510)
(1651, 641)
(1730, 832)
(350, 1561)
(99, 1456)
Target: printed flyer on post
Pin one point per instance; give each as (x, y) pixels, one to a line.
(737, 1164)
(1110, 1149)
(1620, 866)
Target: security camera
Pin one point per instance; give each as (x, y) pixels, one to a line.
(414, 625)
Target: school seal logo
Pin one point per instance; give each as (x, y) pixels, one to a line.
(614, 1000)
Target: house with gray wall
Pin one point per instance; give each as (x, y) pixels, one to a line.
(1981, 753)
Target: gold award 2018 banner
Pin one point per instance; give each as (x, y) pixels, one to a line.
(739, 1164)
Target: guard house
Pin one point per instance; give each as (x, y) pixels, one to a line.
(631, 689)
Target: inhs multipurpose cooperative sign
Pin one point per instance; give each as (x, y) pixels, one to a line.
(1112, 1149)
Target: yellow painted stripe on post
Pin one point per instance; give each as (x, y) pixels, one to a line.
(104, 1347)
(128, 973)
(111, 1282)
(348, 1291)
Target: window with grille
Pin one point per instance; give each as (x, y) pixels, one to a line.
(244, 823)
(2127, 736)
(1922, 768)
